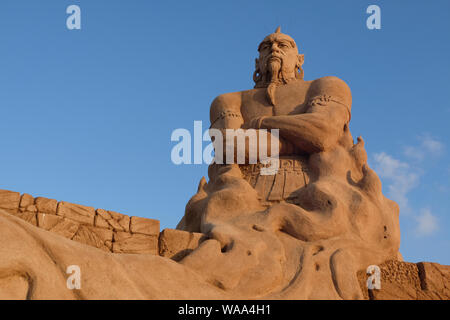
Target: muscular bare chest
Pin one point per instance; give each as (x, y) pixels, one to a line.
(290, 99)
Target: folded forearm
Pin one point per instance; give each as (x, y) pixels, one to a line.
(246, 146)
(310, 132)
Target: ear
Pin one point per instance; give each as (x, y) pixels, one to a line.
(301, 59)
(257, 66)
(257, 73)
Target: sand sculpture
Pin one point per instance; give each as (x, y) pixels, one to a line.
(305, 232)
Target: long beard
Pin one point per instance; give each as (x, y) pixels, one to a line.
(275, 78)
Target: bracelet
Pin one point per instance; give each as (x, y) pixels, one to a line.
(260, 120)
(225, 114)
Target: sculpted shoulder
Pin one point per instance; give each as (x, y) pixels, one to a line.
(227, 100)
(227, 104)
(331, 86)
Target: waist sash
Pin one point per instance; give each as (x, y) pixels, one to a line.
(292, 175)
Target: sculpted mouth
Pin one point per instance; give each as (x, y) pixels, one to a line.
(274, 58)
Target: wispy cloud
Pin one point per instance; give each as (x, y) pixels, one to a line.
(427, 223)
(413, 153)
(400, 175)
(427, 147)
(434, 146)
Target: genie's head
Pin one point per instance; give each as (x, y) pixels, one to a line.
(279, 60)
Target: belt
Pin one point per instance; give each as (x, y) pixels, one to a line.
(292, 175)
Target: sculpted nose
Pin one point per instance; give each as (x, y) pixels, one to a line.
(275, 47)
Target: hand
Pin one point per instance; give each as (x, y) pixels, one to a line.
(255, 123)
(286, 147)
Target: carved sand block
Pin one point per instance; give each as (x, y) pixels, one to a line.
(77, 212)
(142, 238)
(112, 220)
(144, 226)
(435, 277)
(45, 205)
(57, 224)
(125, 242)
(27, 216)
(71, 229)
(409, 281)
(95, 237)
(84, 224)
(26, 201)
(27, 209)
(176, 244)
(9, 201)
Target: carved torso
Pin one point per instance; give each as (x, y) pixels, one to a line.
(292, 99)
(292, 173)
(238, 109)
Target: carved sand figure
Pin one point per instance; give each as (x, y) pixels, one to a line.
(302, 233)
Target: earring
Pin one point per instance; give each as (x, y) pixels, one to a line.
(256, 76)
(299, 73)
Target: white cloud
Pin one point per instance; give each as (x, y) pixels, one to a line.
(401, 177)
(432, 145)
(427, 147)
(413, 153)
(427, 223)
(388, 166)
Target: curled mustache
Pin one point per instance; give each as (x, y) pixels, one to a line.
(274, 70)
(274, 76)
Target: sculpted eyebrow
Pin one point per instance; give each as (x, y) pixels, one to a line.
(286, 42)
(263, 44)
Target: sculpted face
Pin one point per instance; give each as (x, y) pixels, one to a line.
(279, 60)
(278, 50)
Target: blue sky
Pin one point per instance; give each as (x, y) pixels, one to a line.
(86, 115)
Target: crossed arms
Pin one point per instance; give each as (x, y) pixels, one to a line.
(316, 130)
